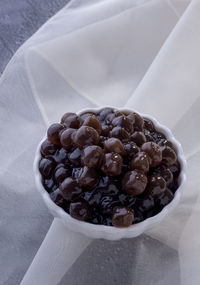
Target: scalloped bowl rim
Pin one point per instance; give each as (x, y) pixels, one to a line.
(110, 232)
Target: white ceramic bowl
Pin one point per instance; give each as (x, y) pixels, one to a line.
(109, 232)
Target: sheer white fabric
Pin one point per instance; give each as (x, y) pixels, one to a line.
(142, 54)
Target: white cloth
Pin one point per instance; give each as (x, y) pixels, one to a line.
(143, 54)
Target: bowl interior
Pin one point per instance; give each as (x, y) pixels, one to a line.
(110, 232)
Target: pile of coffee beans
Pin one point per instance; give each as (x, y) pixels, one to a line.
(108, 167)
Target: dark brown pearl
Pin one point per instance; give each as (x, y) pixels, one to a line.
(154, 152)
(138, 137)
(175, 169)
(94, 123)
(66, 138)
(105, 130)
(56, 197)
(85, 136)
(47, 148)
(124, 122)
(165, 142)
(157, 136)
(112, 164)
(102, 140)
(131, 149)
(114, 145)
(46, 166)
(165, 198)
(49, 184)
(137, 121)
(134, 182)
(104, 113)
(73, 121)
(80, 210)
(61, 156)
(87, 114)
(141, 162)
(108, 120)
(169, 156)
(156, 185)
(61, 173)
(168, 176)
(148, 135)
(122, 217)
(165, 173)
(75, 157)
(65, 116)
(92, 156)
(70, 189)
(53, 133)
(88, 177)
(118, 113)
(148, 124)
(119, 133)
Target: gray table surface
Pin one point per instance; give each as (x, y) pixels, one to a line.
(19, 19)
(103, 262)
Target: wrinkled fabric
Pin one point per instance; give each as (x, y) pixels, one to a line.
(141, 54)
